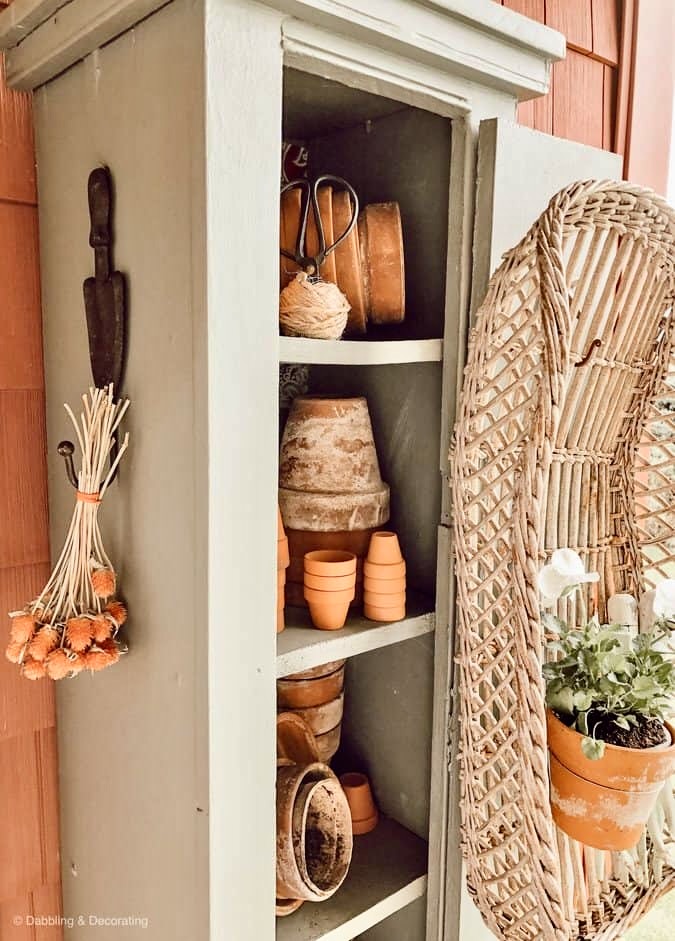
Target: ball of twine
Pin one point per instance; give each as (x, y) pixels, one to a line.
(316, 309)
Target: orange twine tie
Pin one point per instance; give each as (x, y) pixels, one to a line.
(88, 497)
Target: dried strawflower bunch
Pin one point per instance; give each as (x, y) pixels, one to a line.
(73, 624)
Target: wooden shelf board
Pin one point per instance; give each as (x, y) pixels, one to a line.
(301, 646)
(359, 352)
(388, 871)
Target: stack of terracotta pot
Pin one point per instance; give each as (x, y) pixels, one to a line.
(330, 587)
(314, 827)
(331, 492)
(368, 265)
(317, 697)
(283, 561)
(385, 579)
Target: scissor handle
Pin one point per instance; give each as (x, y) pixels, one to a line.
(312, 263)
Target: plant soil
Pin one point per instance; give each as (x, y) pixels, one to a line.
(646, 734)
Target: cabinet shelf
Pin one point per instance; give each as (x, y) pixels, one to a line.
(388, 871)
(301, 646)
(358, 352)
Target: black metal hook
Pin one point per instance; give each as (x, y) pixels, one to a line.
(104, 304)
(589, 352)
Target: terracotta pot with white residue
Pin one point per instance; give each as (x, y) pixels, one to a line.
(606, 802)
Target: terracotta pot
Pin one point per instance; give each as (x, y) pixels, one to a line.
(348, 263)
(384, 586)
(374, 570)
(329, 615)
(287, 906)
(384, 614)
(301, 542)
(389, 600)
(283, 554)
(328, 743)
(384, 549)
(289, 223)
(321, 598)
(323, 718)
(330, 563)
(322, 836)
(295, 739)
(299, 694)
(311, 869)
(330, 583)
(281, 578)
(605, 803)
(382, 263)
(281, 620)
(329, 475)
(323, 670)
(361, 804)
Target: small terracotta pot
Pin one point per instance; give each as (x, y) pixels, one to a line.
(325, 717)
(288, 906)
(605, 803)
(382, 262)
(300, 542)
(386, 572)
(281, 578)
(328, 743)
(384, 549)
(330, 562)
(384, 586)
(393, 600)
(323, 670)
(330, 583)
(299, 694)
(295, 739)
(384, 614)
(281, 620)
(315, 596)
(283, 554)
(281, 532)
(361, 804)
(329, 616)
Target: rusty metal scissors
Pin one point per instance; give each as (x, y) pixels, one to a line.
(310, 190)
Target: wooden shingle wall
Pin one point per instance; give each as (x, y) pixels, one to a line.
(29, 839)
(581, 105)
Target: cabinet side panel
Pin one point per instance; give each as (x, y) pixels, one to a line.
(132, 740)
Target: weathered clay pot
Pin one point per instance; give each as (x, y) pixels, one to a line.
(329, 475)
(323, 718)
(382, 262)
(605, 803)
(322, 670)
(287, 906)
(295, 739)
(322, 836)
(328, 743)
(361, 804)
(299, 694)
(313, 833)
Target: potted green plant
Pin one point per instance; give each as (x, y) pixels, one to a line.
(609, 693)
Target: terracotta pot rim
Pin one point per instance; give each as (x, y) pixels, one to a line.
(661, 749)
(312, 679)
(608, 787)
(315, 596)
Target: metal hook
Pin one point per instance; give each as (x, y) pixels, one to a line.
(589, 352)
(104, 304)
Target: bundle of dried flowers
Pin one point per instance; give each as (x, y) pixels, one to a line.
(73, 624)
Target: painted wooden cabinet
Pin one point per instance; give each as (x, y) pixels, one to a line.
(167, 762)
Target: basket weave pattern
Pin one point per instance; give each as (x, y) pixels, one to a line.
(560, 441)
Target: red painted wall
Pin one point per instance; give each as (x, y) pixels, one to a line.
(29, 846)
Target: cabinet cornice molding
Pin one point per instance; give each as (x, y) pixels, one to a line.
(477, 40)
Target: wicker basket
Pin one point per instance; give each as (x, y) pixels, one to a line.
(565, 437)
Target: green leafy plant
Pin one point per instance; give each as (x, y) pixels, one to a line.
(603, 673)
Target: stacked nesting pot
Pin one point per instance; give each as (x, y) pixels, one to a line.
(331, 493)
(314, 832)
(317, 697)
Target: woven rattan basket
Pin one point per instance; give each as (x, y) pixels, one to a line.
(565, 438)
